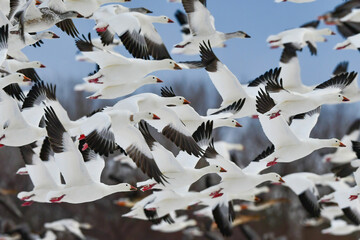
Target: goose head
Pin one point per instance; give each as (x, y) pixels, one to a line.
(214, 169)
(175, 101)
(123, 187)
(70, 14)
(163, 19)
(15, 78)
(34, 64)
(241, 34)
(273, 177)
(169, 64)
(136, 117)
(152, 79)
(325, 31)
(47, 35)
(227, 122)
(334, 142)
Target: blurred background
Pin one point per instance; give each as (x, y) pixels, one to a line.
(247, 59)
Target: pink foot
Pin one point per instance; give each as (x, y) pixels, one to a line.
(85, 146)
(353, 197)
(147, 187)
(274, 115)
(57, 199)
(272, 163)
(28, 203)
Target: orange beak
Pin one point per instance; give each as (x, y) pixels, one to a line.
(186, 101)
(177, 67)
(42, 66)
(342, 145)
(222, 170)
(244, 207)
(155, 117)
(26, 79)
(133, 188)
(55, 36)
(238, 124)
(37, 3)
(121, 203)
(170, 21)
(281, 180)
(345, 99)
(159, 80)
(257, 199)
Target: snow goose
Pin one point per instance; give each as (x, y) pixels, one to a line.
(112, 65)
(202, 28)
(290, 70)
(179, 178)
(292, 103)
(79, 185)
(345, 155)
(170, 125)
(340, 228)
(138, 34)
(40, 177)
(135, 146)
(352, 42)
(184, 24)
(16, 43)
(193, 120)
(87, 8)
(290, 143)
(302, 185)
(235, 98)
(179, 224)
(306, 35)
(68, 224)
(33, 19)
(14, 125)
(346, 29)
(119, 90)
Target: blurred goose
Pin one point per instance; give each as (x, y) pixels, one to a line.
(68, 224)
(202, 28)
(306, 35)
(87, 8)
(345, 155)
(40, 177)
(352, 42)
(33, 19)
(80, 187)
(340, 228)
(179, 224)
(333, 17)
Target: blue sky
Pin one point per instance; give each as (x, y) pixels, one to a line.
(246, 58)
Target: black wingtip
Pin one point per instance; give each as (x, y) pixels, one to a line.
(167, 92)
(268, 151)
(208, 57)
(55, 130)
(39, 92)
(264, 102)
(341, 68)
(84, 44)
(203, 133)
(339, 81)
